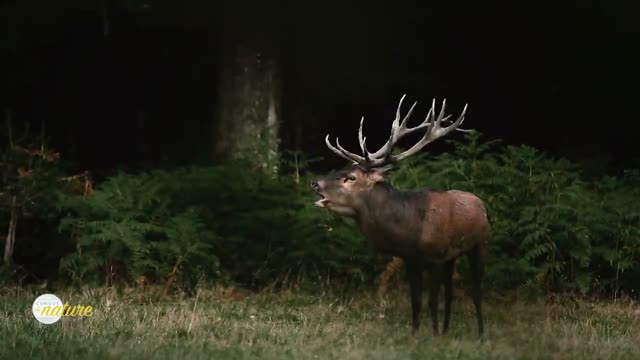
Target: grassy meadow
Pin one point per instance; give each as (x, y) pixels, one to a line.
(556, 229)
(226, 324)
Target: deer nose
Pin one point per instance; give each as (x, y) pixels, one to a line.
(314, 185)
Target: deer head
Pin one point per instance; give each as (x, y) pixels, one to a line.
(342, 191)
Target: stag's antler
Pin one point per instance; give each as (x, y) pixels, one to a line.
(399, 129)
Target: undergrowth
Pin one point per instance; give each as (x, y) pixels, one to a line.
(554, 229)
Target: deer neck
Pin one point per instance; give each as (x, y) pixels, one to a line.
(392, 219)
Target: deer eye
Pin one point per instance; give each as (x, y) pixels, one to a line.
(349, 178)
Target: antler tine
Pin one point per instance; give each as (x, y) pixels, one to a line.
(429, 119)
(340, 151)
(461, 119)
(363, 140)
(396, 125)
(360, 137)
(425, 122)
(434, 131)
(403, 124)
(441, 115)
(356, 157)
(398, 130)
(396, 121)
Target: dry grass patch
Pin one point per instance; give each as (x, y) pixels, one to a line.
(302, 326)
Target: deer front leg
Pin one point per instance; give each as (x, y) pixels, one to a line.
(414, 273)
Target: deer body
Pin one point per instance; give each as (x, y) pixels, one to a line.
(427, 229)
(437, 226)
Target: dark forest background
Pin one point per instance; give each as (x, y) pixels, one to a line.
(171, 142)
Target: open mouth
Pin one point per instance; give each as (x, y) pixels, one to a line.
(322, 202)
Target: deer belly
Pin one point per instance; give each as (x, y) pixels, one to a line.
(445, 250)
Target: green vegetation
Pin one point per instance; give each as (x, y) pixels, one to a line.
(555, 230)
(155, 253)
(295, 326)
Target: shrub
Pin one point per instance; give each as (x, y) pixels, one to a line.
(553, 228)
(218, 222)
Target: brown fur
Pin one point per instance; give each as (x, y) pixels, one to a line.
(426, 229)
(455, 222)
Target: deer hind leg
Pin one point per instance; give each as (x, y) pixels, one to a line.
(448, 292)
(476, 262)
(414, 274)
(434, 290)
(392, 267)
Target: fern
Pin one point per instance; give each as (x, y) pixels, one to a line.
(553, 228)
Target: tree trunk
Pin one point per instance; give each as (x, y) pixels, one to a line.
(11, 234)
(249, 106)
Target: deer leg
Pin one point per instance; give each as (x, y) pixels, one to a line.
(476, 262)
(414, 273)
(434, 289)
(448, 293)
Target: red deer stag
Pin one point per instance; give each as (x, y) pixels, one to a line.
(428, 229)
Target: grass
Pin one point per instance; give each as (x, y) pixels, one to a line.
(217, 324)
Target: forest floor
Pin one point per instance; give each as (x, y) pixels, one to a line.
(218, 324)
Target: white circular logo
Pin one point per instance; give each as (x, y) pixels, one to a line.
(47, 308)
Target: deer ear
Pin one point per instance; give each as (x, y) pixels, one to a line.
(378, 175)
